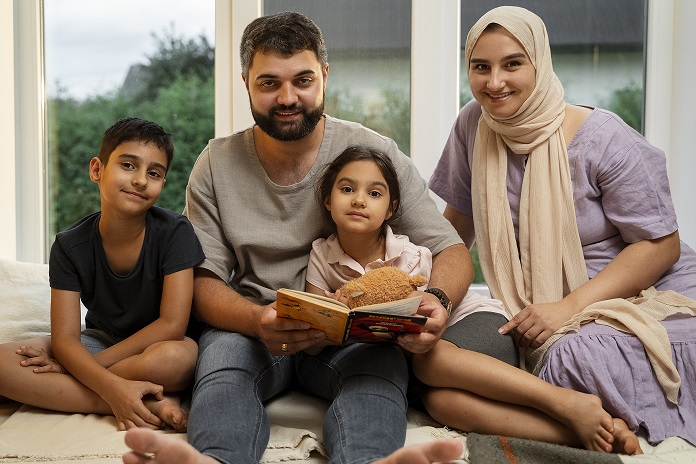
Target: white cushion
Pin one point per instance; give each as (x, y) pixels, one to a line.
(24, 300)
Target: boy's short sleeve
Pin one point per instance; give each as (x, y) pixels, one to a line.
(61, 271)
(183, 248)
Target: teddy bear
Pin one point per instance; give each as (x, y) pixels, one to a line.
(380, 285)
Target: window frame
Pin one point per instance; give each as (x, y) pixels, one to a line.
(22, 114)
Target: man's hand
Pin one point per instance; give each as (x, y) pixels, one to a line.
(284, 336)
(537, 322)
(432, 330)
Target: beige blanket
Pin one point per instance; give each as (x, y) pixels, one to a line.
(37, 435)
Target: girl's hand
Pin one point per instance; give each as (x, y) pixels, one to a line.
(39, 357)
(126, 400)
(537, 322)
(336, 296)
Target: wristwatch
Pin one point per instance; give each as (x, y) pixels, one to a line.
(442, 296)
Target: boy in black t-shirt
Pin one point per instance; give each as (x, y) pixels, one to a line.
(131, 265)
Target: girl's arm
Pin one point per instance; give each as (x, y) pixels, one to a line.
(175, 310)
(635, 268)
(318, 291)
(314, 289)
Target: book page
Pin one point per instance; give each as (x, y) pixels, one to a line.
(326, 299)
(405, 307)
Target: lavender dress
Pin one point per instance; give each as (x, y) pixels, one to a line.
(621, 195)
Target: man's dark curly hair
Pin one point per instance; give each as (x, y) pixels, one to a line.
(286, 33)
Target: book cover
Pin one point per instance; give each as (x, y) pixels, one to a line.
(382, 322)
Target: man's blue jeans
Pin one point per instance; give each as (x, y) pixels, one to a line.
(365, 383)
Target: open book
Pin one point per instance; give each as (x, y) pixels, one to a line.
(382, 322)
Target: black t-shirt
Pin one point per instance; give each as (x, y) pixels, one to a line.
(122, 305)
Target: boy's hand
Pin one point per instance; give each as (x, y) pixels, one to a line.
(284, 336)
(39, 358)
(432, 330)
(126, 401)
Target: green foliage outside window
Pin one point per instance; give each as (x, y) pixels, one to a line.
(627, 103)
(174, 89)
(391, 116)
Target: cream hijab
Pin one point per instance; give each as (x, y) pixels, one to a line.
(549, 263)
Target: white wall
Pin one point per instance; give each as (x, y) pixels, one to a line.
(682, 160)
(8, 213)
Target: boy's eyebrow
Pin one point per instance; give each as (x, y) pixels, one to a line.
(137, 158)
(512, 56)
(304, 72)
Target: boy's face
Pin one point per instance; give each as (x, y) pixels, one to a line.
(132, 179)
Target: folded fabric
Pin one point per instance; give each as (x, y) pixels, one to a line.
(639, 316)
(486, 449)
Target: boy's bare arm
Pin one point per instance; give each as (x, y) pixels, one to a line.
(175, 310)
(122, 395)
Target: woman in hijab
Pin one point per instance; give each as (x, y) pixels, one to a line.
(577, 236)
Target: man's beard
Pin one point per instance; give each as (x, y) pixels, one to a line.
(287, 132)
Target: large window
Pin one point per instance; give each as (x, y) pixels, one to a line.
(111, 59)
(435, 82)
(369, 44)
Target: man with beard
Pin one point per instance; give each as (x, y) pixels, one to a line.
(251, 200)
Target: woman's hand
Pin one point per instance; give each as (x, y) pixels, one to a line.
(39, 357)
(537, 322)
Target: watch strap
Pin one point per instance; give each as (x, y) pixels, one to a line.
(442, 296)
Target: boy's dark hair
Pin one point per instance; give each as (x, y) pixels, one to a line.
(349, 155)
(285, 33)
(135, 130)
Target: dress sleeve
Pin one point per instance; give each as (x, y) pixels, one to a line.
(451, 179)
(632, 177)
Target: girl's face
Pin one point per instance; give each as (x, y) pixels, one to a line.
(501, 75)
(359, 200)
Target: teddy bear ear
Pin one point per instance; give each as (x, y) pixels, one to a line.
(418, 280)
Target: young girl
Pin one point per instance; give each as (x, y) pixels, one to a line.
(360, 193)
(131, 264)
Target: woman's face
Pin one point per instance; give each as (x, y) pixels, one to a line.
(501, 75)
